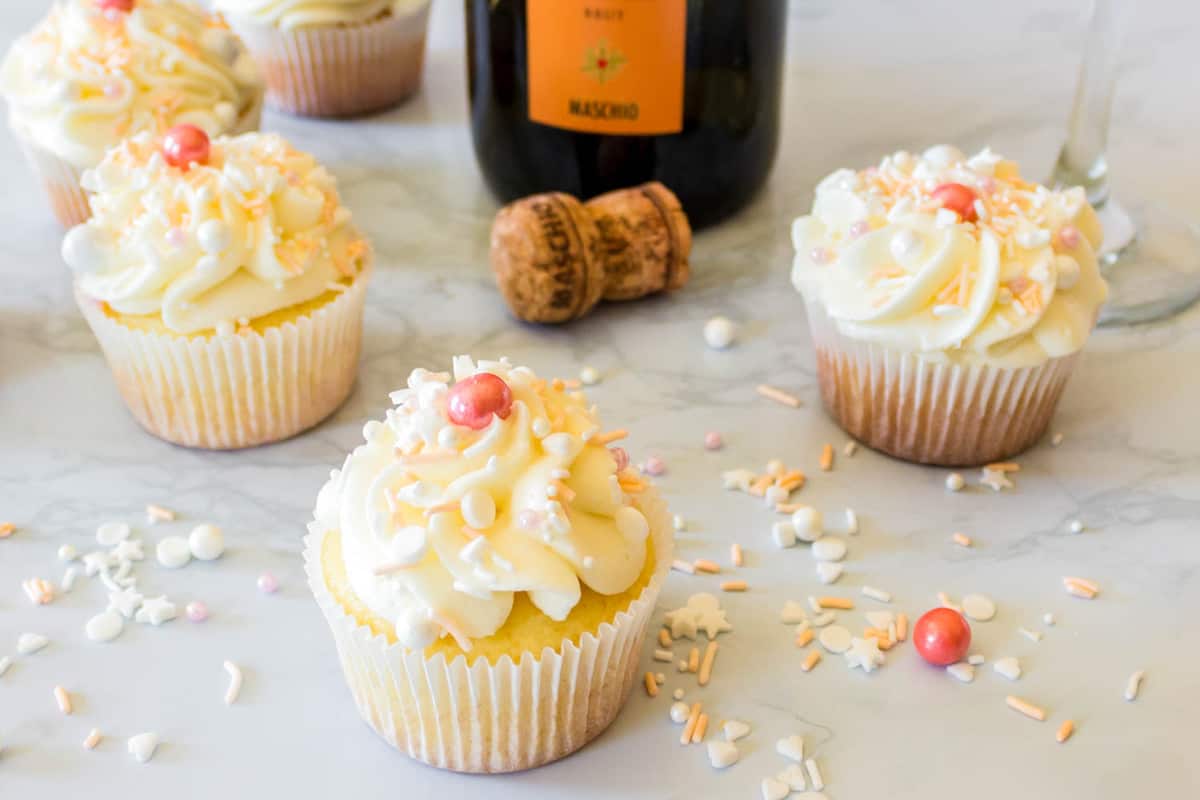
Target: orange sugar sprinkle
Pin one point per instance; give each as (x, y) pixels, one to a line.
(701, 729)
(874, 632)
(949, 291)
(451, 626)
(840, 603)
(735, 554)
(961, 539)
(1064, 731)
(788, 508)
(706, 665)
(790, 475)
(609, 437)
(792, 485)
(690, 728)
(826, 457)
(664, 637)
(557, 384)
(964, 285)
(759, 487)
(694, 659)
(778, 395)
(7, 529)
(563, 491)
(63, 699)
(631, 487)
(1004, 466)
(884, 643)
(734, 586)
(813, 658)
(804, 637)
(704, 565)
(651, 685)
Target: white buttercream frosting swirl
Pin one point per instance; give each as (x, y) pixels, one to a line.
(84, 79)
(290, 14)
(441, 525)
(1013, 284)
(257, 228)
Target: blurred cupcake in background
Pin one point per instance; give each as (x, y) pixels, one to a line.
(334, 58)
(948, 300)
(225, 282)
(94, 72)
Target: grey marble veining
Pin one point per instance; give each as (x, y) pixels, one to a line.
(864, 78)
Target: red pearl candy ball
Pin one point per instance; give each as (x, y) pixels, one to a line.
(115, 5)
(473, 401)
(958, 198)
(942, 636)
(185, 145)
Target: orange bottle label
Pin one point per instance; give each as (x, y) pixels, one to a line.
(607, 66)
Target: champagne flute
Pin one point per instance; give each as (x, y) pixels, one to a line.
(1150, 258)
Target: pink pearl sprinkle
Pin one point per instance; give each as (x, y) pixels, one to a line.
(621, 456)
(820, 255)
(859, 228)
(713, 441)
(196, 611)
(530, 520)
(176, 237)
(1068, 235)
(267, 583)
(655, 466)
(112, 89)
(987, 185)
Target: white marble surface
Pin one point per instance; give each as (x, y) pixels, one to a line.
(864, 77)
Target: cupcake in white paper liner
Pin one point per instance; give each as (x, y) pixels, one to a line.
(86, 78)
(489, 616)
(334, 59)
(228, 295)
(948, 301)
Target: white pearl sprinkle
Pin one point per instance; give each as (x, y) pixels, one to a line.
(719, 333)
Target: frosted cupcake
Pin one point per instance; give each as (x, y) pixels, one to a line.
(334, 58)
(488, 567)
(96, 71)
(225, 282)
(948, 300)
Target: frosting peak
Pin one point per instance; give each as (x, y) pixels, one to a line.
(258, 227)
(291, 14)
(84, 78)
(441, 523)
(952, 257)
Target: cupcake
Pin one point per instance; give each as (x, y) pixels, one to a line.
(488, 566)
(94, 72)
(225, 283)
(334, 58)
(948, 300)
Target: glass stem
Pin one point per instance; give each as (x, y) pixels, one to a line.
(1082, 161)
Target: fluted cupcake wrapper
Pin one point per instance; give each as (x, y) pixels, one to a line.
(228, 391)
(342, 70)
(61, 179)
(498, 717)
(930, 411)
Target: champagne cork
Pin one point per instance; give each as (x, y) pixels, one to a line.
(556, 258)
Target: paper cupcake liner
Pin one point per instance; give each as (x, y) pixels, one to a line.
(338, 71)
(61, 178)
(929, 411)
(230, 391)
(499, 717)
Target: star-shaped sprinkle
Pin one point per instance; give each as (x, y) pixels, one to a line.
(128, 550)
(95, 562)
(702, 612)
(995, 479)
(156, 611)
(125, 602)
(864, 653)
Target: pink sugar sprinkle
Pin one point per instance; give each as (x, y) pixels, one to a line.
(196, 611)
(176, 236)
(859, 228)
(820, 255)
(655, 466)
(1068, 235)
(267, 583)
(713, 441)
(530, 520)
(622, 457)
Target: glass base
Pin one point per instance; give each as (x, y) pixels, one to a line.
(1151, 260)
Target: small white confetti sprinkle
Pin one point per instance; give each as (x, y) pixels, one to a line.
(68, 579)
(1134, 685)
(774, 789)
(1007, 667)
(877, 594)
(235, 682)
(835, 639)
(783, 534)
(126, 602)
(829, 572)
(1033, 636)
(173, 552)
(105, 626)
(679, 523)
(664, 655)
(880, 619)
(1075, 526)
(975, 659)
(143, 745)
(735, 729)
(814, 775)
(68, 552)
(29, 643)
(955, 482)
(206, 542)
(110, 533)
(978, 607)
(793, 613)
(1048, 618)
(962, 671)
(829, 548)
(823, 619)
(795, 777)
(719, 333)
(791, 747)
(5, 664)
(722, 754)
(589, 376)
